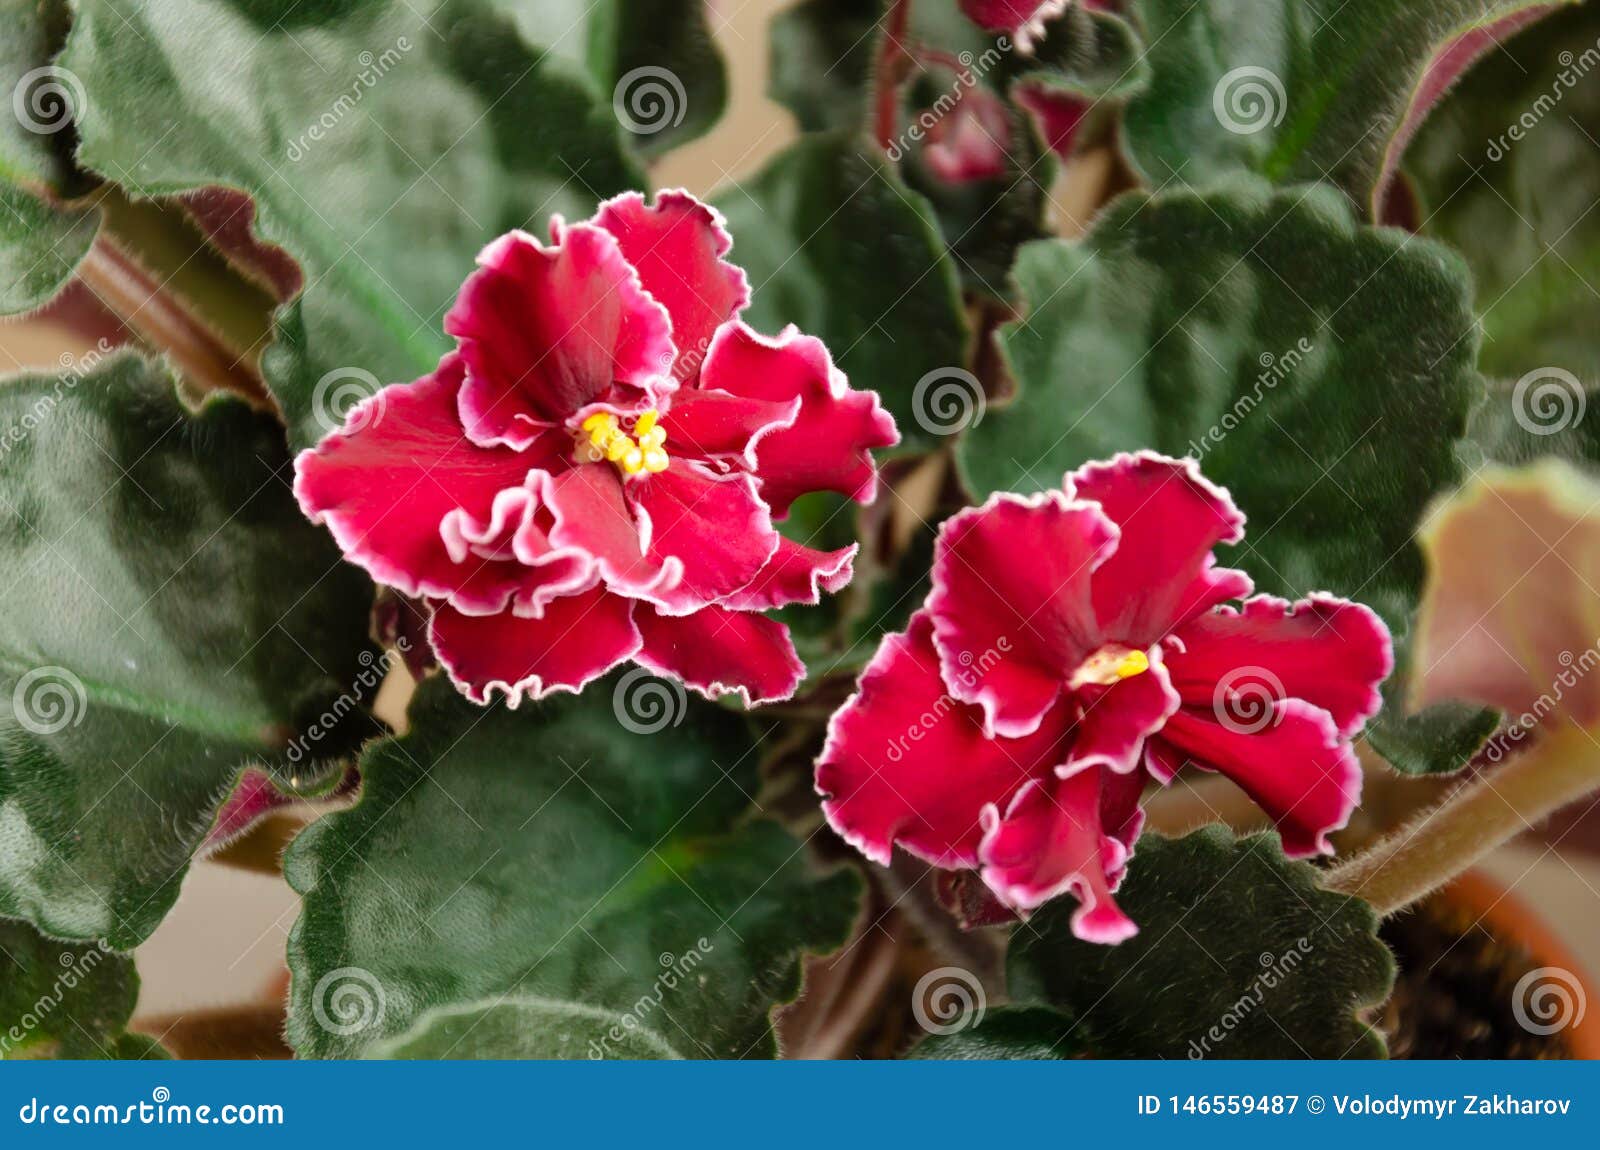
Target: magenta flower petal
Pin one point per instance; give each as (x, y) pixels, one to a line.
(1291, 761)
(1023, 19)
(1170, 518)
(794, 574)
(577, 639)
(1330, 652)
(720, 652)
(591, 514)
(1049, 841)
(1056, 114)
(404, 493)
(973, 142)
(905, 764)
(1118, 719)
(705, 423)
(827, 446)
(545, 331)
(1010, 632)
(677, 248)
(712, 533)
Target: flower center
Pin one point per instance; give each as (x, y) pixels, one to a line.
(636, 455)
(1110, 664)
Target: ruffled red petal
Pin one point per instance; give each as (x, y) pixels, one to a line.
(546, 330)
(677, 248)
(710, 533)
(1117, 720)
(1011, 602)
(1163, 572)
(427, 511)
(720, 652)
(794, 574)
(828, 446)
(577, 639)
(1330, 652)
(1050, 840)
(1290, 760)
(1024, 19)
(905, 763)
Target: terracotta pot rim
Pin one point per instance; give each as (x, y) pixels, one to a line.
(1505, 914)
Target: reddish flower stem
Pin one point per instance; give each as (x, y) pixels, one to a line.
(1492, 809)
(893, 62)
(130, 293)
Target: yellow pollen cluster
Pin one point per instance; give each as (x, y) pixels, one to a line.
(1131, 664)
(641, 453)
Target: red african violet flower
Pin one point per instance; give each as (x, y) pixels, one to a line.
(592, 476)
(1023, 20)
(971, 143)
(1074, 647)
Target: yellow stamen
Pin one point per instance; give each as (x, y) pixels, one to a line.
(635, 455)
(1133, 663)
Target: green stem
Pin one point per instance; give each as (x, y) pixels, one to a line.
(1443, 842)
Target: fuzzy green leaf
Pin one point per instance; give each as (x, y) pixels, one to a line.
(65, 999)
(383, 144)
(168, 618)
(654, 60)
(1320, 370)
(1240, 954)
(1506, 169)
(550, 853)
(41, 241)
(1295, 90)
(1007, 1033)
(526, 1028)
(834, 242)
